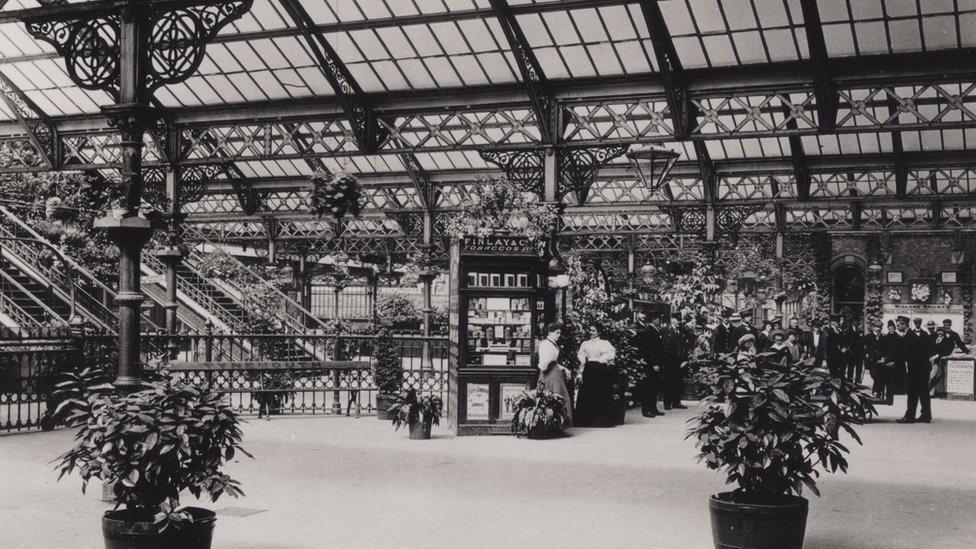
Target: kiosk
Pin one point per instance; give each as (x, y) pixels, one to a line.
(499, 302)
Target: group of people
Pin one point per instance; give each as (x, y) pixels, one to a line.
(901, 357)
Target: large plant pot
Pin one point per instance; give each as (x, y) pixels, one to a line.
(121, 532)
(383, 404)
(420, 430)
(768, 525)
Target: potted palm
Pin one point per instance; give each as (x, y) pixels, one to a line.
(387, 372)
(419, 413)
(772, 428)
(150, 446)
(539, 414)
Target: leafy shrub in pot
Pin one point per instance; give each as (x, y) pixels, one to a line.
(539, 414)
(417, 412)
(150, 446)
(772, 427)
(387, 372)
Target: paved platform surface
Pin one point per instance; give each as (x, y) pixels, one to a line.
(338, 482)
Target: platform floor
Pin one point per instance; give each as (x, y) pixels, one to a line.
(338, 482)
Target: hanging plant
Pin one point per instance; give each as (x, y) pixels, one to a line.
(496, 205)
(336, 196)
(894, 295)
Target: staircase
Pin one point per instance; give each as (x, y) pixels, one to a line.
(42, 290)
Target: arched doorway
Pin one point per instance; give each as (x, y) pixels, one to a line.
(848, 293)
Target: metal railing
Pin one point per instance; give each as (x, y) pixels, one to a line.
(29, 370)
(71, 282)
(200, 291)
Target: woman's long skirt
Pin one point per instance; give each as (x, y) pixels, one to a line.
(553, 380)
(594, 403)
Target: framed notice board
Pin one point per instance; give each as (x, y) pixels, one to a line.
(499, 300)
(960, 378)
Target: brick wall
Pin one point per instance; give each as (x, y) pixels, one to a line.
(915, 256)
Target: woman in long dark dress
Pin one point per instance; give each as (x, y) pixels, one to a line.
(594, 403)
(552, 376)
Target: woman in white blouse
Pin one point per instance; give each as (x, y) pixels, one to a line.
(594, 403)
(552, 376)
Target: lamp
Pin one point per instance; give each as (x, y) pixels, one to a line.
(653, 164)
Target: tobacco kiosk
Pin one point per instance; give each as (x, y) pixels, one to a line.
(499, 302)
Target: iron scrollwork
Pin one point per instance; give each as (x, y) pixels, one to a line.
(579, 167)
(177, 38)
(524, 167)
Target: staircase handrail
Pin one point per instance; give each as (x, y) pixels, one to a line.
(195, 293)
(10, 308)
(90, 303)
(256, 278)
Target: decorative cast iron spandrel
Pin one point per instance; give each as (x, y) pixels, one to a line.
(412, 224)
(177, 39)
(579, 167)
(194, 180)
(525, 168)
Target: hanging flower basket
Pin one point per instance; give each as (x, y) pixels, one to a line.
(336, 196)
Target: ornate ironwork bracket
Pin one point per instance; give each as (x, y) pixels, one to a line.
(41, 132)
(426, 189)
(369, 133)
(194, 179)
(579, 167)
(524, 167)
(177, 36)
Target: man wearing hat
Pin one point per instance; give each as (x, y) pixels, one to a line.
(855, 354)
(908, 354)
(737, 330)
(650, 345)
(836, 347)
(948, 340)
(871, 353)
(721, 342)
(818, 344)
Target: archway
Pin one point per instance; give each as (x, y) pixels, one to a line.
(848, 293)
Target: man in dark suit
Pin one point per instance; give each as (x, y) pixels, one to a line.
(737, 329)
(855, 352)
(871, 349)
(948, 340)
(817, 345)
(908, 352)
(836, 347)
(802, 336)
(720, 341)
(650, 344)
(676, 349)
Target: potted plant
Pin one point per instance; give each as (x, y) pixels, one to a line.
(539, 414)
(771, 428)
(420, 413)
(399, 313)
(150, 446)
(387, 372)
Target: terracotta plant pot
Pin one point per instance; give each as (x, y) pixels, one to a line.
(122, 531)
(420, 430)
(737, 522)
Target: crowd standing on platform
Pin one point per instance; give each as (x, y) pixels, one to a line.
(903, 357)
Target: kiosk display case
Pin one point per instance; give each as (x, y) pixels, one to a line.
(499, 302)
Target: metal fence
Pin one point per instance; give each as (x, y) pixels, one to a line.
(258, 372)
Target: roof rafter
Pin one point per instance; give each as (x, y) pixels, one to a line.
(672, 73)
(35, 122)
(366, 129)
(823, 84)
(533, 77)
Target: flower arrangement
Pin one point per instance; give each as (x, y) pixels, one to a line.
(894, 295)
(539, 414)
(946, 298)
(497, 205)
(398, 310)
(921, 292)
(336, 195)
(774, 427)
